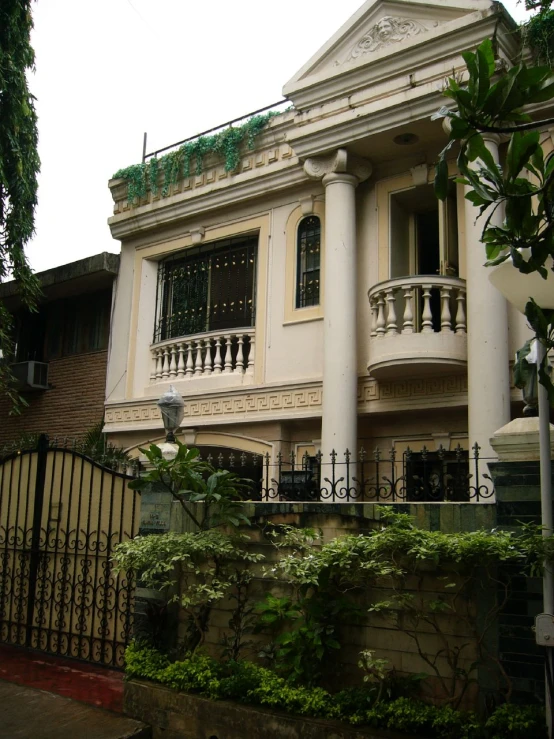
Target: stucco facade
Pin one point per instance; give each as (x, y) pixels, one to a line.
(406, 343)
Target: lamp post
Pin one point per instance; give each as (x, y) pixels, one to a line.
(518, 288)
(172, 407)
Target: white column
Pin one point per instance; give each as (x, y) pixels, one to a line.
(341, 174)
(340, 375)
(487, 336)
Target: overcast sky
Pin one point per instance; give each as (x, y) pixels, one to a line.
(106, 71)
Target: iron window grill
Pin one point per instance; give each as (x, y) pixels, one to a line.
(308, 249)
(208, 288)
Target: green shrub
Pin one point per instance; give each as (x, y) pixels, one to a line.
(517, 722)
(196, 674)
(251, 684)
(143, 662)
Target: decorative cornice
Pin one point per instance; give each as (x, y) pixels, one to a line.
(296, 401)
(340, 162)
(131, 221)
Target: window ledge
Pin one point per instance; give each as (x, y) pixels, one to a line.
(308, 318)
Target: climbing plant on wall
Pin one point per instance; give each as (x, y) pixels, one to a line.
(177, 165)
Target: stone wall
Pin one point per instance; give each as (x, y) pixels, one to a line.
(73, 404)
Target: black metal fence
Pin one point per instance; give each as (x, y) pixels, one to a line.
(425, 476)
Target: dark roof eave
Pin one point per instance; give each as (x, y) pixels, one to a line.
(105, 262)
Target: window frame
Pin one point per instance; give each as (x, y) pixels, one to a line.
(292, 314)
(302, 273)
(204, 253)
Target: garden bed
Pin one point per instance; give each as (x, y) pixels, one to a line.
(176, 715)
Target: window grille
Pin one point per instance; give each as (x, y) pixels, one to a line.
(308, 248)
(207, 288)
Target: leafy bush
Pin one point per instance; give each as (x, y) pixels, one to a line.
(517, 722)
(330, 581)
(194, 570)
(251, 684)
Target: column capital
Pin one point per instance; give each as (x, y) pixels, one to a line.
(339, 162)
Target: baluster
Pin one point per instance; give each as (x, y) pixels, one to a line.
(251, 352)
(446, 318)
(154, 366)
(190, 364)
(239, 363)
(392, 328)
(380, 330)
(374, 311)
(426, 315)
(228, 356)
(159, 363)
(208, 357)
(460, 311)
(198, 362)
(165, 366)
(408, 320)
(173, 361)
(181, 361)
(217, 360)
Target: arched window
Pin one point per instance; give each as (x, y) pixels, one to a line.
(308, 254)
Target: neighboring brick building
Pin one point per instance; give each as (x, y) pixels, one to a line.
(62, 350)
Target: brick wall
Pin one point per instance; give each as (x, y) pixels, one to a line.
(73, 404)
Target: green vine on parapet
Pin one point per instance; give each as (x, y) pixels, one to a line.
(177, 165)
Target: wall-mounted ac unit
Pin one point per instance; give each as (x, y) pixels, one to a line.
(31, 375)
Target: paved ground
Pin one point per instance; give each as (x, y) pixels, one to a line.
(28, 713)
(80, 681)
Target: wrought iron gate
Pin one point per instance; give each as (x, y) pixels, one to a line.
(60, 516)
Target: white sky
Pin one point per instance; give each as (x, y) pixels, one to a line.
(106, 71)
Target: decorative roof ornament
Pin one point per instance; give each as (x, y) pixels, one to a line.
(388, 30)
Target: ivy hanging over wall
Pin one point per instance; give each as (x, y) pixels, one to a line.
(177, 165)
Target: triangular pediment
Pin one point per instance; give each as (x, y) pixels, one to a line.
(380, 28)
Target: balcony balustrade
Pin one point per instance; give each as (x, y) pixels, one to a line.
(229, 352)
(417, 321)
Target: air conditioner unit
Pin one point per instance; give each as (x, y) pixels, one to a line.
(30, 375)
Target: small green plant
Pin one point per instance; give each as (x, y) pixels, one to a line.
(192, 480)
(376, 670)
(519, 722)
(94, 445)
(177, 165)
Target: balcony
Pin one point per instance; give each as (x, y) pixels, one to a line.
(229, 354)
(418, 325)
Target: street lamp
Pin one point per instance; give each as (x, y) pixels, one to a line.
(172, 407)
(518, 288)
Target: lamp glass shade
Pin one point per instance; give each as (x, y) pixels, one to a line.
(172, 407)
(518, 288)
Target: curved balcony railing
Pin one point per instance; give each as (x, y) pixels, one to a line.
(404, 305)
(422, 318)
(202, 355)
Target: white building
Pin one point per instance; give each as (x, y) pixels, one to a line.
(319, 297)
